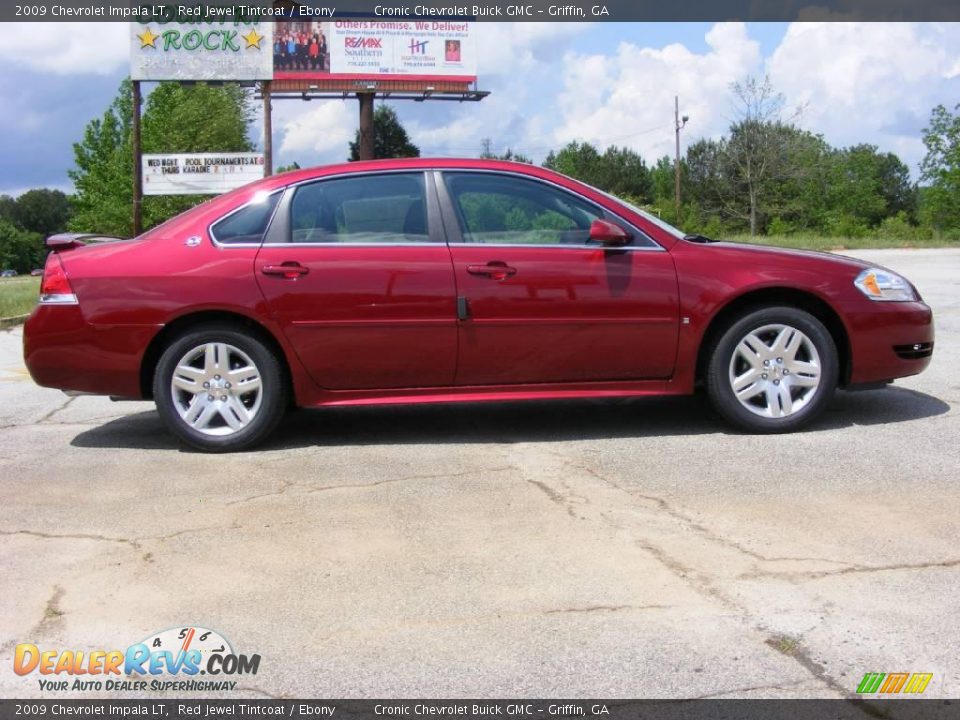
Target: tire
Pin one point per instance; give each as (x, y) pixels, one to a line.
(781, 361)
(220, 389)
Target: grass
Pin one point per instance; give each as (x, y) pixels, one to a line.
(18, 295)
(805, 241)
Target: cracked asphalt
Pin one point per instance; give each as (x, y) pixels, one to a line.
(572, 549)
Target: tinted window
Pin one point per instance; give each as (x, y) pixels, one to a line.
(366, 209)
(248, 224)
(501, 209)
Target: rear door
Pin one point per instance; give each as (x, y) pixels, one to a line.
(543, 303)
(361, 281)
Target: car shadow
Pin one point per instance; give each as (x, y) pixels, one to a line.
(529, 421)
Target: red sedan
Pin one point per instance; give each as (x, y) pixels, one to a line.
(416, 280)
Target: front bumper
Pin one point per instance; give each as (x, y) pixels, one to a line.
(889, 340)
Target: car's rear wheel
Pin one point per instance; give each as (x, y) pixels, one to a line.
(219, 389)
(773, 370)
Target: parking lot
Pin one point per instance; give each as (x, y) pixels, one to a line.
(634, 548)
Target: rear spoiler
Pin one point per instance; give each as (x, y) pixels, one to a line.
(66, 241)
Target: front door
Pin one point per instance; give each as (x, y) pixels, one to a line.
(541, 303)
(361, 287)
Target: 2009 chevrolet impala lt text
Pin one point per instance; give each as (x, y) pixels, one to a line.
(418, 280)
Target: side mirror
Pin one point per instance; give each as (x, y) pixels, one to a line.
(608, 233)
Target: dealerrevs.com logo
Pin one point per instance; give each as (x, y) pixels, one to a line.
(170, 660)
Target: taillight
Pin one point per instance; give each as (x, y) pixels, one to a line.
(55, 287)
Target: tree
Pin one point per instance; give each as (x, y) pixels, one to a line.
(287, 168)
(390, 138)
(756, 150)
(176, 118)
(619, 171)
(42, 211)
(941, 169)
(19, 250)
(486, 153)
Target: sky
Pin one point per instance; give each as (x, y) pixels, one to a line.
(550, 83)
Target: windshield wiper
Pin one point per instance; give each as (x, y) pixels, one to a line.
(699, 239)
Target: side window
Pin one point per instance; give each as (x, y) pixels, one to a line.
(366, 209)
(500, 209)
(248, 224)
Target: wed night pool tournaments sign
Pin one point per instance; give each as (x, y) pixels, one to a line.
(230, 49)
(199, 173)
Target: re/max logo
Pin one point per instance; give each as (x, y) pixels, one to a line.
(363, 42)
(892, 683)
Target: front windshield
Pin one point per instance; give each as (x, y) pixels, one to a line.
(662, 224)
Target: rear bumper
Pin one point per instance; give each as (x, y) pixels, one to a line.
(889, 340)
(61, 350)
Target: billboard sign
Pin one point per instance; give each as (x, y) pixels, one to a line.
(199, 173)
(218, 50)
(358, 50)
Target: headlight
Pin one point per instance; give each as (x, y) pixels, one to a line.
(879, 284)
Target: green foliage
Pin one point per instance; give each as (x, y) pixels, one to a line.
(20, 250)
(288, 168)
(941, 169)
(42, 211)
(620, 171)
(176, 118)
(390, 138)
(25, 222)
(487, 153)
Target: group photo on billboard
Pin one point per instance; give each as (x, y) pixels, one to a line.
(364, 49)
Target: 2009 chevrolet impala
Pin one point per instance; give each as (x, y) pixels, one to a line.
(419, 280)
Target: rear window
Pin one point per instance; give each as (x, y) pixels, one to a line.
(366, 209)
(248, 224)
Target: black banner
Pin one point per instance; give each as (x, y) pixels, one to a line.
(520, 11)
(515, 709)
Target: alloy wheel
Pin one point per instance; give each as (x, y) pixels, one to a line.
(217, 389)
(775, 371)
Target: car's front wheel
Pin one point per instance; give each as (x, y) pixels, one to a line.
(773, 370)
(219, 389)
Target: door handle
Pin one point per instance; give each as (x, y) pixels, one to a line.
(494, 269)
(289, 270)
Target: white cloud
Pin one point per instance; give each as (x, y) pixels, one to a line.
(318, 129)
(628, 98)
(512, 60)
(67, 48)
(868, 82)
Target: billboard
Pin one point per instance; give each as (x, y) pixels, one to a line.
(199, 173)
(358, 50)
(230, 50)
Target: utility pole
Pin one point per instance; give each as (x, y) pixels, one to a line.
(137, 162)
(367, 132)
(678, 126)
(265, 89)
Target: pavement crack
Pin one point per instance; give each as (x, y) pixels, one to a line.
(697, 527)
(603, 608)
(284, 486)
(73, 536)
(852, 570)
(57, 409)
(407, 478)
(752, 688)
(793, 648)
(52, 614)
(554, 496)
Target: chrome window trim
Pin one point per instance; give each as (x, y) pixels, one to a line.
(433, 169)
(654, 245)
